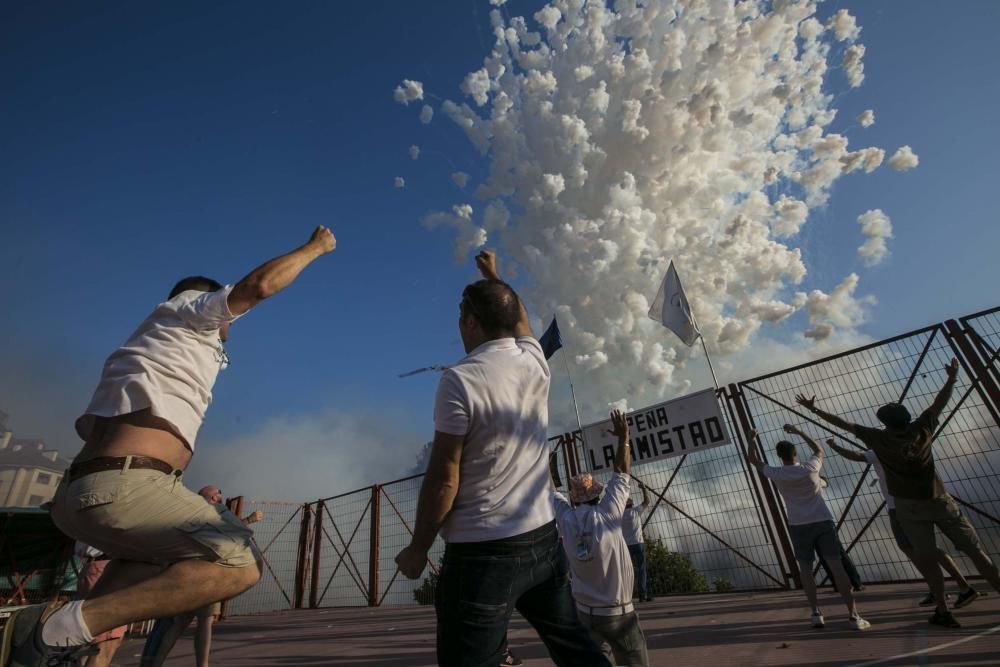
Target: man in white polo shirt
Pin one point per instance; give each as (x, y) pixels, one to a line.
(632, 530)
(810, 523)
(171, 551)
(591, 529)
(487, 491)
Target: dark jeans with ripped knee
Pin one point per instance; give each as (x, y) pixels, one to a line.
(482, 583)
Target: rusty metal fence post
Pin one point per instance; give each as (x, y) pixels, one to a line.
(987, 388)
(302, 559)
(777, 519)
(317, 547)
(373, 542)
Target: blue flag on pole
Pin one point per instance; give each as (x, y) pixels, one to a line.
(551, 340)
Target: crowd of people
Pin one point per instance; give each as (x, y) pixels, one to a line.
(572, 566)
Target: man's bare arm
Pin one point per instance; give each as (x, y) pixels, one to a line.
(845, 452)
(941, 400)
(440, 485)
(813, 445)
(486, 261)
(275, 275)
(645, 494)
(623, 455)
(753, 458)
(810, 405)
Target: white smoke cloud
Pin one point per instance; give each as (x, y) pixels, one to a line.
(904, 159)
(460, 178)
(853, 66)
(334, 452)
(399, 182)
(876, 227)
(414, 152)
(845, 26)
(408, 91)
(617, 139)
(469, 235)
(426, 114)
(867, 118)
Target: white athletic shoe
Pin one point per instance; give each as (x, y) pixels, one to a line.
(858, 623)
(817, 620)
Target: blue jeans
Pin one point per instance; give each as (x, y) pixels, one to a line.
(480, 585)
(638, 554)
(155, 637)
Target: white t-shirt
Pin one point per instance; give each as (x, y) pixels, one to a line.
(632, 524)
(498, 398)
(595, 547)
(801, 487)
(169, 365)
(872, 458)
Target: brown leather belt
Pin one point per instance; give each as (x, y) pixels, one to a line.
(102, 463)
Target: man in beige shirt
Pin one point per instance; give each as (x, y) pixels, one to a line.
(171, 551)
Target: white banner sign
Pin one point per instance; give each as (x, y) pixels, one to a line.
(676, 427)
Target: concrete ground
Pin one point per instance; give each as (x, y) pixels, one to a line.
(714, 630)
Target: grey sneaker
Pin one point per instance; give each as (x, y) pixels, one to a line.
(27, 648)
(858, 623)
(817, 620)
(966, 598)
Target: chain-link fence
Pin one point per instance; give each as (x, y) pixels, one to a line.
(710, 506)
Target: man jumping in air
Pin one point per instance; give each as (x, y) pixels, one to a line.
(171, 551)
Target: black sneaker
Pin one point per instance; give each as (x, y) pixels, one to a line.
(510, 659)
(930, 600)
(944, 619)
(27, 648)
(966, 598)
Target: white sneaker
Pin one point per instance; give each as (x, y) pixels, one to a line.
(817, 620)
(858, 623)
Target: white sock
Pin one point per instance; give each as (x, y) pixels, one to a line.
(66, 627)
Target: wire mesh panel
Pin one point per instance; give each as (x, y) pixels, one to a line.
(276, 534)
(710, 513)
(399, 512)
(907, 368)
(341, 574)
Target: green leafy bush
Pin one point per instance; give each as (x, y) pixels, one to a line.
(671, 572)
(424, 593)
(722, 585)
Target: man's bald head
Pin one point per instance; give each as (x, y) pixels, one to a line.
(212, 494)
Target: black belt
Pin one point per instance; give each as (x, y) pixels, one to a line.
(103, 463)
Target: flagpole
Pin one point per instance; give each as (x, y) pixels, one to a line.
(576, 407)
(708, 357)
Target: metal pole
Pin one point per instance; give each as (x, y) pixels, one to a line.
(373, 541)
(576, 407)
(302, 561)
(709, 358)
(317, 550)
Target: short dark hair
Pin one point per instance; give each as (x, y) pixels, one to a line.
(494, 304)
(894, 415)
(786, 450)
(196, 283)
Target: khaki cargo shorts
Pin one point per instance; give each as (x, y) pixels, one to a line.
(150, 517)
(918, 518)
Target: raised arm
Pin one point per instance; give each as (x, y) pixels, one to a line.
(941, 400)
(271, 277)
(813, 445)
(810, 405)
(437, 495)
(753, 458)
(486, 261)
(845, 452)
(623, 456)
(645, 495)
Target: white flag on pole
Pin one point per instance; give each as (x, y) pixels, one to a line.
(671, 309)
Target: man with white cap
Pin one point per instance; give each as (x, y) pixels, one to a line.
(591, 530)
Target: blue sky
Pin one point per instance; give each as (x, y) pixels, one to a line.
(144, 142)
